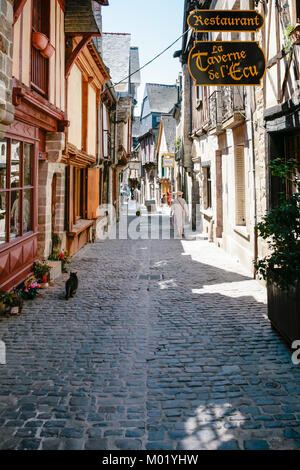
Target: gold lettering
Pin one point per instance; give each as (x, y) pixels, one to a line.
(211, 75)
(253, 70)
(227, 21)
(199, 61)
(234, 70)
(198, 20)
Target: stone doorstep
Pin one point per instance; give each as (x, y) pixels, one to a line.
(56, 271)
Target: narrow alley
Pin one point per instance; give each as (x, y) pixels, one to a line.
(166, 345)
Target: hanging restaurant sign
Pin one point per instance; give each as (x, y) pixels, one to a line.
(227, 63)
(225, 20)
(168, 161)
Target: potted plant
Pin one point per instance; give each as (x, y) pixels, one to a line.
(65, 259)
(41, 272)
(3, 304)
(30, 290)
(13, 302)
(62, 256)
(138, 213)
(39, 41)
(48, 51)
(281, 267)
(294, 34)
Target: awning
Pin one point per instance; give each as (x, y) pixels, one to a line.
(79, 17)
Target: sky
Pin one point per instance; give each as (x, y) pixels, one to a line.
(153, 25)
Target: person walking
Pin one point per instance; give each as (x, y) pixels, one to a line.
(179, 211)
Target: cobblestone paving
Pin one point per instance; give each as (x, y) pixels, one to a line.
(165, 346)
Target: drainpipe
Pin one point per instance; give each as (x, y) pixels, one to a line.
(193, 176)
(190, 104)
(252, 104)
(254, 184)
(115, 185)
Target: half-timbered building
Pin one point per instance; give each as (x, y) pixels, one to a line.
(38, 97)
(85, 75)
(51, 131)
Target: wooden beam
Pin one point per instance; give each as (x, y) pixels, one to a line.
(62, 4)
(85, 114)
(278, 45)
(18, 7)
(81, 45)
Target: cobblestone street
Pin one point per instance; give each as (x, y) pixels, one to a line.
(166, 345)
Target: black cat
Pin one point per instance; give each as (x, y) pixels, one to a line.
(71, 285)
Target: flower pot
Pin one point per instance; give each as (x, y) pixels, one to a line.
(14, 310)
(48, 51)
(39, 41)
(295, 35)
(283, 312)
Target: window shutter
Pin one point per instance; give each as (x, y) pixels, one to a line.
(93, 193)
(240, 203)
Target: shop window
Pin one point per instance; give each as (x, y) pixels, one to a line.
(16, 189)
(162, 168)
(79, 194)
(199, 97)
(240, 191)
(207, 187)
(40, 64)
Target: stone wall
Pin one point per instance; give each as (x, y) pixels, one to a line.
(55, 143)
(6, 107)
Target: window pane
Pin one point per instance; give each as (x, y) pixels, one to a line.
(28, 164)
(15, 214)
(3, 164)
(27, 211)
(15, 164)
(3, 197)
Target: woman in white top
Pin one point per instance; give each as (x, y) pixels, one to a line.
(179, 210)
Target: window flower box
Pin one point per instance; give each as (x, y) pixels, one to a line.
(295, 35)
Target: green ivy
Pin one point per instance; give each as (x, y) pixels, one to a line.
(281, 228)
(288, 44)
(178, 144)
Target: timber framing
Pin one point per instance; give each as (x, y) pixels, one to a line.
(18, 7)
(98, 60)
(89, 67)
(123, 157)
(78, 158)
(108, 99)
(62, 4)
(78, 48)
(32, 107)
